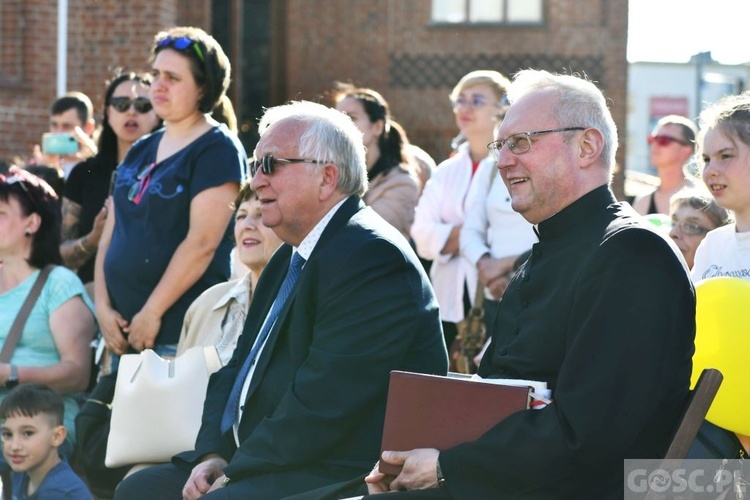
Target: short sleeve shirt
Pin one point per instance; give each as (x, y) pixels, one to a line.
(147, 233)
(37, 345)
(60, 483)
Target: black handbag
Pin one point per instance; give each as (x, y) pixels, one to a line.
(92, 431)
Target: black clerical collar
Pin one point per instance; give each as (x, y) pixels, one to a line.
(575, 214)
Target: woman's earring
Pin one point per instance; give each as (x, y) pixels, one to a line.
(27, 233)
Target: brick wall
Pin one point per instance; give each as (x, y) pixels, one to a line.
(389, 45)
(102, 35)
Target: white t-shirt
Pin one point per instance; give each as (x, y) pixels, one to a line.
(723, 252)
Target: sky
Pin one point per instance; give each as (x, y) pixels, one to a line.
(674, 30)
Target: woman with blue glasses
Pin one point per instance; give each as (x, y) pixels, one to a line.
(168, 236)
(439, 216)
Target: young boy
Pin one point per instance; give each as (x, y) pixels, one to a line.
(32, 431)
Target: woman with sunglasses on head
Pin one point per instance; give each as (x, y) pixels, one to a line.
(128, 116)
(439, 217)
(54, 345)
(672, 144)
(393, 187)
(168, 236)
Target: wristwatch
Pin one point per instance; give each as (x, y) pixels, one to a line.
(12, 378)
(439, 474)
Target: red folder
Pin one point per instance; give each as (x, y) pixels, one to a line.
(432, 411)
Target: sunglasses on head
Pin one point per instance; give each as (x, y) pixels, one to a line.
(141, 104)
(181, 43)
(17, 179)
(665, 140)
(26, 180)
(142, 181)
(267, 162)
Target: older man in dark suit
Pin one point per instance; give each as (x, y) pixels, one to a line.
(339, 306)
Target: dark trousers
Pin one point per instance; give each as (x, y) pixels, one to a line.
(163, 481)
(357, 487)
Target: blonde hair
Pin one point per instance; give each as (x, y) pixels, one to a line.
(496, 80)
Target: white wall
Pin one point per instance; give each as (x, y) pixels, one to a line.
(647, 80)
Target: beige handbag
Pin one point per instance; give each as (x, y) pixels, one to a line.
(158, 405)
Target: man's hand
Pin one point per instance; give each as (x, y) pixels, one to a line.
(203, 476)
(419, 470)
(378, 482)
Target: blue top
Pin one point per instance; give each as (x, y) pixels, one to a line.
(60, 483)
(147, 234)
(37, 345)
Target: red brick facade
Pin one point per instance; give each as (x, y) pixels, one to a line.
(102, 35)
(389, 45)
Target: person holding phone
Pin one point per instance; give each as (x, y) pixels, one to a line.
(69, 139)
(167, 237)
(128, 116)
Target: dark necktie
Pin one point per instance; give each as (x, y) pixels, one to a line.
(232, 408)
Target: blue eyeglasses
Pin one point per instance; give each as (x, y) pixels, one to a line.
(181, 43)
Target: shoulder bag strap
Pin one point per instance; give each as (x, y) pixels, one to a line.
(14, 335)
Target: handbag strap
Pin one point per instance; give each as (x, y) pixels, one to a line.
(479, 297)
(14, 335)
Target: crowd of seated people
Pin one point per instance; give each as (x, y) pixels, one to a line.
(328, 217)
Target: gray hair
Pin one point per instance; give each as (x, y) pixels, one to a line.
(703, 202)
(330, 137)
(580, 104)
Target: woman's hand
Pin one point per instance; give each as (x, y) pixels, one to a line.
(143, 329)
(112, 325)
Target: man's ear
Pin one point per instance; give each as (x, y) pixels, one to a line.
(59, 433)
(329, 180)
(590, 147)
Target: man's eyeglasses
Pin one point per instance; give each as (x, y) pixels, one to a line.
(689, 228)
(181, 43)
(267, 164)
(521, 142)
(665, 140)
(138, 189)
(142, 105)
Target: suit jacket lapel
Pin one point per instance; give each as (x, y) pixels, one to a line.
(351, 206)
(268, 286)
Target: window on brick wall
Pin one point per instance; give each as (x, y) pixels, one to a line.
(488, 11)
